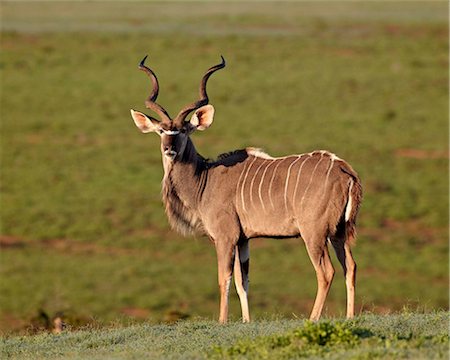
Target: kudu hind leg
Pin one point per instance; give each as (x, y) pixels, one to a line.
(241, 269)
(320, 258)
(345, 257)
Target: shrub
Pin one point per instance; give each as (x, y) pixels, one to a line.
(327, 333)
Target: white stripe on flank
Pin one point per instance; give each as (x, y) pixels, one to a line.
(310, 180)
(260, 185)
(328, 172)
(348, 208)
(298, 175)
(243, 184)
(287, 181)
(239, 181)
(271, 182)
(253, 181)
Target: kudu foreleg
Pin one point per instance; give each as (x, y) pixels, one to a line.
(225, 259)
(241, 269)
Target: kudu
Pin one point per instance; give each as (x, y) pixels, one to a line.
(247, 194)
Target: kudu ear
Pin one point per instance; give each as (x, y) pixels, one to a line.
(143, 122)
(203, 117)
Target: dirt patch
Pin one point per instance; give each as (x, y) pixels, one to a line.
(67, 246)
(138, 313)
(372, 273)
(422, 154)
(7, 242)
(388, 230)
(10, 324)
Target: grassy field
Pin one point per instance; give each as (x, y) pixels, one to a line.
(83, 231)
(405, 335)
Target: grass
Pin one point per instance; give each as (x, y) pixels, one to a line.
(404, 335)
(83, 230)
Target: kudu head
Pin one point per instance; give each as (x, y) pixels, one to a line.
(175, 132)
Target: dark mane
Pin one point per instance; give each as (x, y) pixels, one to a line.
(230, 158)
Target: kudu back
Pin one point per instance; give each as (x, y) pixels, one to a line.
(246, 194)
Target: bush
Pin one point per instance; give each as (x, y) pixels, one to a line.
(327, 333)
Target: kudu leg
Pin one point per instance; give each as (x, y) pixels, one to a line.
(327, 267)
(345, 257)
(320, 258)
(241, 269)
(225, 260)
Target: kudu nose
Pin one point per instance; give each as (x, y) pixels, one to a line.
(169, 152)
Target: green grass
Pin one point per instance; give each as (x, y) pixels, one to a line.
(83, 230)
(405, 335)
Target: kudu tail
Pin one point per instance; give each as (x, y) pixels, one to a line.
(353, 203)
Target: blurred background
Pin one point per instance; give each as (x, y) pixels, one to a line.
(83, 230)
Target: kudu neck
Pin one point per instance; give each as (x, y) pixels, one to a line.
(183, 185)
(190, 154)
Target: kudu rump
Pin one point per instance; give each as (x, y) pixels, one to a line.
(246, 194)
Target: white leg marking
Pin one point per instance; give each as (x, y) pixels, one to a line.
(310, 180)
(287, 181)
(227, 288)
(298, 176)
(253, 181)
(241, 280)
(271, 182)
(260, 185)
(243, 184)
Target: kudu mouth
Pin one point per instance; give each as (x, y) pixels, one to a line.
(171, 154)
